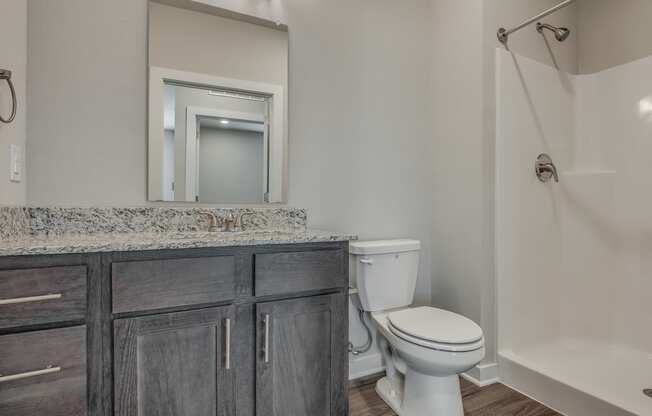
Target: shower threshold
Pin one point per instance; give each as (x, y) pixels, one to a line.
(581, 377)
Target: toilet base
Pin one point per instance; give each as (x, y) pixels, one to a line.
(391, 393)
(422, 395)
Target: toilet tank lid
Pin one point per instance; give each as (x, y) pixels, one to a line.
(383, 246)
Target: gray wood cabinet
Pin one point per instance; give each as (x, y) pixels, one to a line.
(175, 364)
(234, 331)
(299, 369)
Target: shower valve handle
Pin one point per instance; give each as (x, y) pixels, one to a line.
(545, 169)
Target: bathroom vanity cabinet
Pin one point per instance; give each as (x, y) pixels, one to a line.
(234, 331)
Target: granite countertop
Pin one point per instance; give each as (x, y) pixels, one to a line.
(104, 242)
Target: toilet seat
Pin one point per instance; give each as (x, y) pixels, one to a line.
(436, 329)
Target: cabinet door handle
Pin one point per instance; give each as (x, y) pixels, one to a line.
(266, 319)
(227, 342)
(30, 299)
(48, 370)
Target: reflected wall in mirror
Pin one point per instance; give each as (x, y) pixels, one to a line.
(217, 108)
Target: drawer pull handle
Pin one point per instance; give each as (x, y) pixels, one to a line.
(227, 341)
(30, 299)
(48, 370)
(266, 319)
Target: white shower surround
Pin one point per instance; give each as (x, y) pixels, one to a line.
(574, 259)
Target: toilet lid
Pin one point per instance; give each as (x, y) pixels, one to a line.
(436, 325)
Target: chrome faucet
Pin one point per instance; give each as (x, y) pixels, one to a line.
(545, 168)
(230, 222)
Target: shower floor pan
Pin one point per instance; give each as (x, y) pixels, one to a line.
(581, 378)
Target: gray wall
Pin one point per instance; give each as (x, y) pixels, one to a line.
(199, 42)
(458, 223)
(613, 32)
(361, 144)
(231, 166)
(13, 56)
(87, 92)
(361, 139)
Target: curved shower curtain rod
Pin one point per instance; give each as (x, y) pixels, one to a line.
(503, 34)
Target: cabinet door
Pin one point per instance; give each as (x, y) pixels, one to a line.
(175, 364)
(302, 364)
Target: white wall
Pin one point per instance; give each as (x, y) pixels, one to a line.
(608, 207)
(231, 166)
(535, 115)
(573, 256)
(13, 56)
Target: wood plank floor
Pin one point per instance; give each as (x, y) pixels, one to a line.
(494, 400)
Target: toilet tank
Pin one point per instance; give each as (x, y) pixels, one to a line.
(385, 272)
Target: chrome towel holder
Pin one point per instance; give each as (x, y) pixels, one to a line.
(6, 75)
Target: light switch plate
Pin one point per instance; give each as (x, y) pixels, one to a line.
(15, 163)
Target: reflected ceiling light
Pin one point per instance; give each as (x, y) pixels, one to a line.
(645, 108)
(224, 121)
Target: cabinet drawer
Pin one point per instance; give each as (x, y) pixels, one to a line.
(43, 373)
(158, 284)
(282, 273)
(37, 296)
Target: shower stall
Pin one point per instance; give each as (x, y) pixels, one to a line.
(574, 257)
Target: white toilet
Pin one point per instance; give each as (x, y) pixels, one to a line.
(425, 348)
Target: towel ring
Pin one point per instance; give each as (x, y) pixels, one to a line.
(6, 75)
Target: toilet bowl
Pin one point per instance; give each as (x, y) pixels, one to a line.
(424, 380)
(424, 348)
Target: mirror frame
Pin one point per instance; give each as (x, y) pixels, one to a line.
(278, 121)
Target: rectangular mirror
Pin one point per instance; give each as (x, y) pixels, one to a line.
(217, 108)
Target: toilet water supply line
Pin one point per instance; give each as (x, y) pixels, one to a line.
(367, 345)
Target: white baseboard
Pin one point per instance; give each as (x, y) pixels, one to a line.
(365, 365)
(482, 374)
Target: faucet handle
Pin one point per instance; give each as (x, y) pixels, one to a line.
(239, 224)
(215, 223)
(545, 169)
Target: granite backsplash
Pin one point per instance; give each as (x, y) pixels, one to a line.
(17, 222)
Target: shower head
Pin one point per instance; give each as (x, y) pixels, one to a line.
(561, 33)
